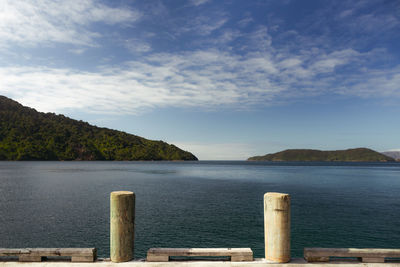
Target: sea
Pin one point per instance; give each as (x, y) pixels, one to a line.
(199, 204)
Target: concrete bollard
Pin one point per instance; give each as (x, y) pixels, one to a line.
(122, 225)
(277, 227)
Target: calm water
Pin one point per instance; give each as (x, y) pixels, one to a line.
(200, 204)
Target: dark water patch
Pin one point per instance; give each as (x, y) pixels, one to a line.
(199, 204)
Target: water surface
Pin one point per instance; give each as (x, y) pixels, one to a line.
(199, 204)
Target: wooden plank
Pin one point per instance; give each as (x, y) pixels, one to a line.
(277, 227)
(316, 259)
(242, 258)
(62, 251)
(13, 251)
(367, 254)
(236, 254)
(122, 225)
(152, 258)
(353, 252)
(200, 251)
(373, 260)
(35, 254)
(82, 259)
(43, 252)
(77, 251)
(29, 258)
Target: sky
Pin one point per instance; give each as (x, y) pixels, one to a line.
(225, 80)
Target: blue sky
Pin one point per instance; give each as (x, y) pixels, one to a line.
(222, 79)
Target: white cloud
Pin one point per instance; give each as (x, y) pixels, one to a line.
(376, 22)
(77, 51)
(290, 62)
(34, 22)
(328, 62)
(199, 2)
(203, 78)
(260, 39)
(224, 38)
(373, 83)
(346, 13)
(204, 25)
(369, 19)
(137, 46)
(244, 22)
(206, 28)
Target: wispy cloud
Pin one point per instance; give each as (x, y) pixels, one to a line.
(77, 51)
(202, 78)
(199, 2)
(204, 25)
(244, 22)
(137, 46)
(34, 22)
(373, 83)
(376, 22)
(226, 67)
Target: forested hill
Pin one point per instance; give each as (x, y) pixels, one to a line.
(26, 134)
(356, 154)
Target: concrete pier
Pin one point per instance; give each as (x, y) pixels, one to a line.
(256, 263)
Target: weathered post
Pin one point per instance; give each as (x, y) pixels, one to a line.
(277, 227)
(122, 225)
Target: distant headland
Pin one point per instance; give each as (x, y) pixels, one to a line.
(26, 134)
(349, 155)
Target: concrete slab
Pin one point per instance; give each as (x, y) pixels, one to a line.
(141, 263)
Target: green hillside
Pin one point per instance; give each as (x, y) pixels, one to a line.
(26, 134)
(356, 154)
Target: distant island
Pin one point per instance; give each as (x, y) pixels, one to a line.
(26, 134)
(349, 155)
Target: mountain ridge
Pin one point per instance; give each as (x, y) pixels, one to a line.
(348, 155)
(26, 134)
